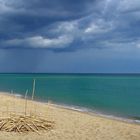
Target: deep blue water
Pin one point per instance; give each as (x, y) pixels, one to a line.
(115, 94)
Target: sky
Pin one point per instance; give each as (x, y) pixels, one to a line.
(70, 36)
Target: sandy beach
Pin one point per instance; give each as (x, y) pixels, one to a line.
(69, 124)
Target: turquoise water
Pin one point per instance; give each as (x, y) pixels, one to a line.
(114, 94)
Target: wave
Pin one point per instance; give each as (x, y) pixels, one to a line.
(18, 95)
(12, 94)
(97, 113)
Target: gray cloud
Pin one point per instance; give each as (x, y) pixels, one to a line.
(69, 25)
(69, 35)
(39, 42)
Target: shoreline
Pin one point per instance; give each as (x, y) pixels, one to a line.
(69, 123)
(97, 114)
(79, 109)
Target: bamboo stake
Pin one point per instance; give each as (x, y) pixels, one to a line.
(23, 123)
(14, 102)
(12, 92)
(33, 91)
(7, 109)
(26, 101)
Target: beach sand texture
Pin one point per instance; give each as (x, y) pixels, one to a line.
(69, 124)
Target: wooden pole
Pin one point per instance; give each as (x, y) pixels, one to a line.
(33, 91)
(12, 92)
(14, 102)
(7, 108)
(26, 102)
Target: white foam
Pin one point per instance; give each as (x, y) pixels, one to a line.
(12, 94)
(95, 112)
(18, 95)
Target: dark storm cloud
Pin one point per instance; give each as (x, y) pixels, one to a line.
(22, 19)
(28, 16)
(38, 27)
(63, 25)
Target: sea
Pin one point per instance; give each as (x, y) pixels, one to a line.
(108, 94)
